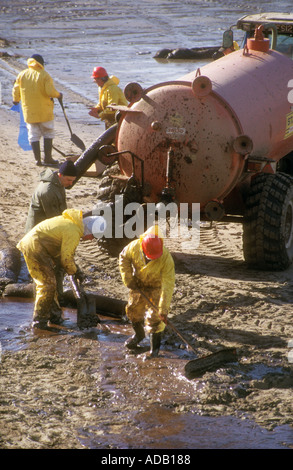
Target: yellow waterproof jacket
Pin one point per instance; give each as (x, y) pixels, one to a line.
(34, 87)
(58, 237)
(110, 93)
(158, 273)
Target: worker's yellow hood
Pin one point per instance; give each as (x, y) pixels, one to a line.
(112, 81)
(115, 80)
(34, 64)
(75, 215)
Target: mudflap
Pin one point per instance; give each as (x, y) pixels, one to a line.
(86, 312)
(197, 367)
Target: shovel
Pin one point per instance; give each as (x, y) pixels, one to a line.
(59, 151)
(86, 306)
(76, 140)
(197, 367)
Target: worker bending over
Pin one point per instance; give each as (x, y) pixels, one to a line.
(49, 198)
(52, 242)
(146, 265)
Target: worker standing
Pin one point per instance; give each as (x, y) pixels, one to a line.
(146, 264)
(109, 93)
(55, 241)
(35, 89)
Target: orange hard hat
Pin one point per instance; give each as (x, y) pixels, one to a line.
(152, 246)
(99, 72)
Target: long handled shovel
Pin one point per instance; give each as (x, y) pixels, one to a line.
(76, 140)
(197, 367)
(168, 322)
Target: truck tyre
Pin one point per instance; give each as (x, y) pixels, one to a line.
(268, 222)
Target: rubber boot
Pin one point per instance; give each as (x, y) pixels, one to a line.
(48, 145)
(37, 152)
(155, 340)
(40, 324)
(132, 343)
(56, 314)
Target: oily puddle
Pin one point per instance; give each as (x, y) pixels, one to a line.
(147, 404)
(15, 319)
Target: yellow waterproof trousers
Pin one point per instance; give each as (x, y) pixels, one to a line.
(46, 302)
(138, 309)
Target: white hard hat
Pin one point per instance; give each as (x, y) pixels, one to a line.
(94, 225)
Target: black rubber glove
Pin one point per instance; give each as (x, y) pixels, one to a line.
(79, 276)
(132, 284)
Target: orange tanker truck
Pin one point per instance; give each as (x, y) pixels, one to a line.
(221, 136)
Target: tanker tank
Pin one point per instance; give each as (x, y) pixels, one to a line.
(221, 122)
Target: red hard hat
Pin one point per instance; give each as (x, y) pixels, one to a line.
(99, 72)
(152, 246)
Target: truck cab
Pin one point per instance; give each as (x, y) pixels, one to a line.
(284, 26)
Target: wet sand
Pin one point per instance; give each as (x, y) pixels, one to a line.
(53, 388)
(79, 390)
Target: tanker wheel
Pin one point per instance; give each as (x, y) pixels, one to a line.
(268, 222)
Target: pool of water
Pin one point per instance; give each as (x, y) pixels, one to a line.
(138, 423)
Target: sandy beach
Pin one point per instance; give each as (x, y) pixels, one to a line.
(217, 303)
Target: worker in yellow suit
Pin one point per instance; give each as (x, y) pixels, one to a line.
(50, 242)
(34, 89)
(146, 264)
(109, 93)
